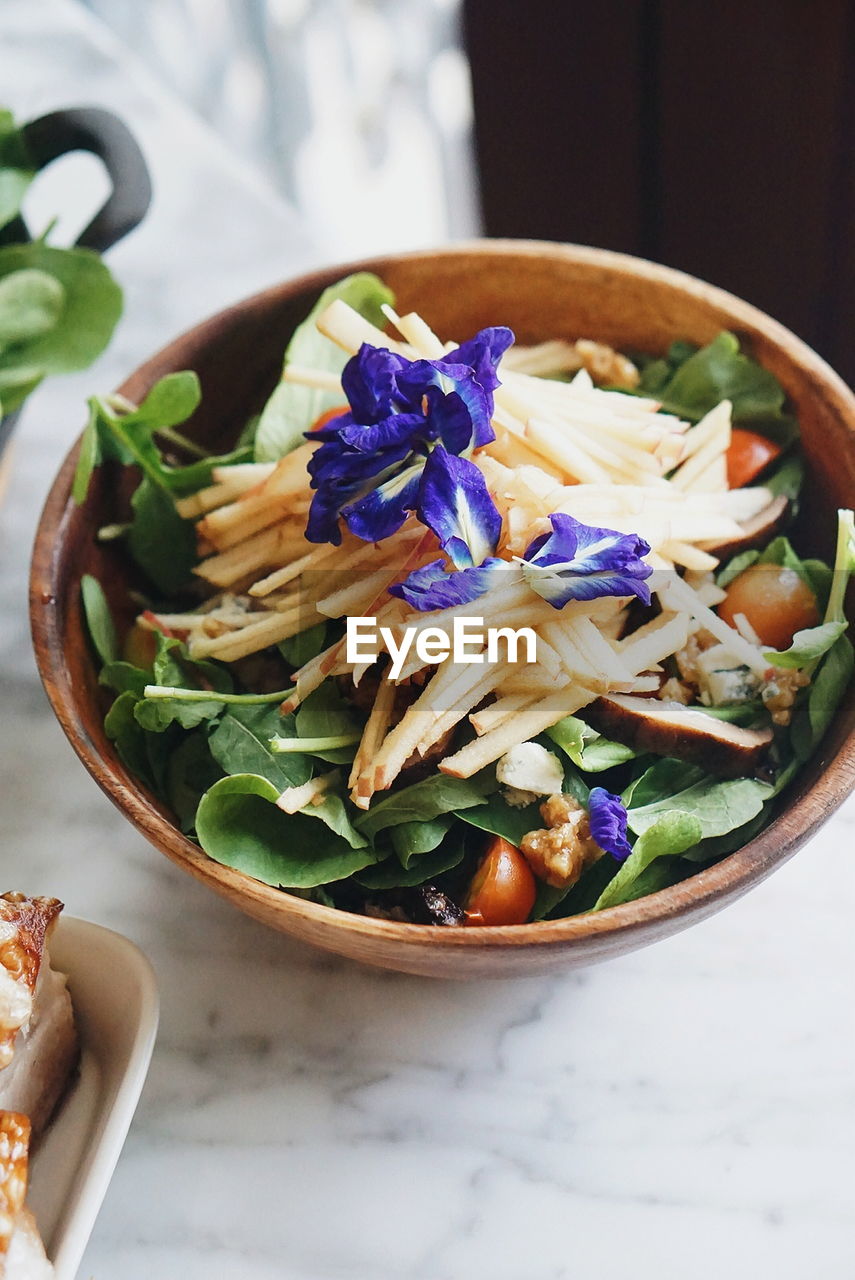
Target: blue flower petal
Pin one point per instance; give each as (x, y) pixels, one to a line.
(382, 511)
(369, 381)
(434, 587)
(455, 503)
(607, 817)
(483, 353)
(582, 562)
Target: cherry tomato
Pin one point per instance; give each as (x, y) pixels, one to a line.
(748, 455)
(775, 600)
(328, 417)
(503, 888)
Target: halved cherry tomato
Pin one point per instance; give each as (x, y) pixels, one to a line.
(328, 417)
(748, 455)
(775, 600)
(503, 888)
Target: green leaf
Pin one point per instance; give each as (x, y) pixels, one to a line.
(31, 304)
(121, 727)
(241, 744)
(669, 834)
(239, 825)
(414, 839)
(191, 770)
(293, 409)
(787, 478)
(718, 805)
(333, 811)
(391, 875)
(823, 700)
(16, 168)
(422, 801)
(124, 677)
(588, 750)
(326, 714)
(99, 620)
(88, 458)
(719, 371)
(92, 304)
(301, 648)
(502, 819)
(160, 541)
(807, 645)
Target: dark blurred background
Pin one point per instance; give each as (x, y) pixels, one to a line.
(717, 138)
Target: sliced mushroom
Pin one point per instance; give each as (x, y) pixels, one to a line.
(684, 733)
(756, 532)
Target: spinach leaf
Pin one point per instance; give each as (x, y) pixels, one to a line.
(333, 811)
(99, 620)
(502, 819)
(241, 744)
(720, 371)
(414, 839)
(556, 904)
(191, 770)
(292, 409)
(129, 737)
(423, 801)
(124, 677)
(670, 833)
(325, 714)
(16, 168)
(304, 646)
(389, 874)
(807, 645)
(83, 325)
(823, 699)
(787, 478)
(173, 667)
(718, 805)
(239, 825)
(588, 750)
(160, 541)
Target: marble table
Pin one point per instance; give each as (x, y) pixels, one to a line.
(687, 1111)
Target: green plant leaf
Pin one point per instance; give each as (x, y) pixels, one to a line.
(807, 645)
(92, 304)
(160, 541)
(333, 811)
(588, 750)
(423, 801)
(389, 874)
(16, 168)
(241, 744)
(718, 805)
(414, 839)
(31, 304)
(823, 699)
(326, 714)
(99, 620)
(292, 409)
(239, 825)
(502, 819)
(190, 772)
(670, 834)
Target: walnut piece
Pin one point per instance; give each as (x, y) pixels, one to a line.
(560, 853)
(779, 693)
(674, 690)
(605, 365)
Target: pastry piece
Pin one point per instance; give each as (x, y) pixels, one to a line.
(22, 1255)
(38, 1043)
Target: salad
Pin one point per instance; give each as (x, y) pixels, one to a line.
(646, 660)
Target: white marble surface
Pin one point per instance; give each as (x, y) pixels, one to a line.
(687, 1111)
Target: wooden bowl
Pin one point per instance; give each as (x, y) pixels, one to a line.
(541, 290)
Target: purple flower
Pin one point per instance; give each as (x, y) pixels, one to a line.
(581, 562)
(455, 503)
(607, 816)
(368, 466)
(435, 586)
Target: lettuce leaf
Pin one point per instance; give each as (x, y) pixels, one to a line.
(292, 409)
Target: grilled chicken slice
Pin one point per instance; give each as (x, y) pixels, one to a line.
(684, 733)
(22, 1255)
(38, 1043)
(756, 532)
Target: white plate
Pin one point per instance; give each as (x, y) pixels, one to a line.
(114, 993)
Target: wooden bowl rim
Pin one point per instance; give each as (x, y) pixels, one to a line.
(701, 894)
